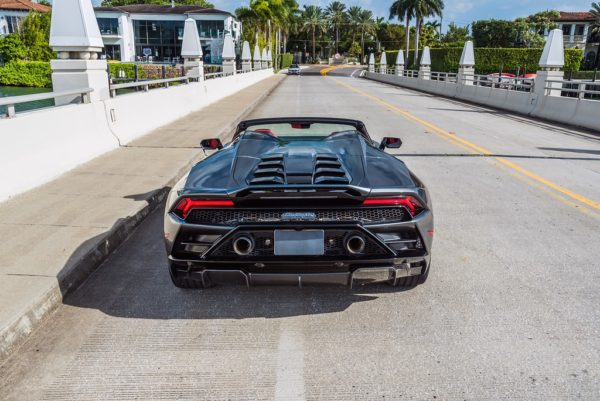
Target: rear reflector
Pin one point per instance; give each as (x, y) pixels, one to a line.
(186, 205)
(413, 205)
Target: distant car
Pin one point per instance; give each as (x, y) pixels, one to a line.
(299, 201)
(294, 69)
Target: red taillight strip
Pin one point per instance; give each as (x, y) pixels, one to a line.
(408, 202)
(186, 205)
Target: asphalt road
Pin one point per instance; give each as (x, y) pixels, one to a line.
(510, 310)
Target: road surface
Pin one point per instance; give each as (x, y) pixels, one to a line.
(510, 310)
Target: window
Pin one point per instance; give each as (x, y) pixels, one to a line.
(210, 29)
(566, 28)
(112, 52)
(579, 29)
(108, 26)
(13, 24)
(159, 39)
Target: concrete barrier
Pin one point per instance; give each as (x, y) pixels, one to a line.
(573, 111)
(40, 145)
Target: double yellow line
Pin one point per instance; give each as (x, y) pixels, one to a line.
(471, 147)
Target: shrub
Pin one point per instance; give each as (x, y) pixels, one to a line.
(26, 73)
(490, 60)
(285, 60)
(12, 48)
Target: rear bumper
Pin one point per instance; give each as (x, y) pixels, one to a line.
(294, 274)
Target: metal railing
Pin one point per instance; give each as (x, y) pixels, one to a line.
(410, 73)
(11, 101)
(507, 83)
(450, 77)
(218, 75)
(150, 84)
(583, 90)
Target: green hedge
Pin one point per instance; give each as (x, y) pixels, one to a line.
(285, 60)
(490, 60)
(26, 73)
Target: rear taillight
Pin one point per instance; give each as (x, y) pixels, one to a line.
(186, 205)
(413, 206)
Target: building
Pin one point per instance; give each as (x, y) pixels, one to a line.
(155, 32)
(577, 34)
(12, 12)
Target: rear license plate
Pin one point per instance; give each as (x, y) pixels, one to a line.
(299, 243)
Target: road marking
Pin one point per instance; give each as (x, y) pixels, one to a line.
(290, 366)
(478, 149)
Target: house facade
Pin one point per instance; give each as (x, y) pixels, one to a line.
(155, 32)
(577, 34)
(12, 13)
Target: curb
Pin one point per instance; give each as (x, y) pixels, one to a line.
(15, 334)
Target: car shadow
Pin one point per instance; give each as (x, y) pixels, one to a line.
(134, 283)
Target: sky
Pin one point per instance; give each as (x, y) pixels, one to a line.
(462, 12)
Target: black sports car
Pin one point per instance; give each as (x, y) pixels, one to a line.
(299, 201)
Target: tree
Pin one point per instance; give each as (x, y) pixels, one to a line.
(355, 50)
(530, 30)
(313, 21)
(423, 9)
(391, 36)
(35, 34)
(12, 48)
(456, 36)
(493, 33)
(595, 11)
(365, 24)
(336, 14)
(403, 9)
(199, 3)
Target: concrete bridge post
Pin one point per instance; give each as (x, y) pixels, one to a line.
(372, 63)
(425, 66)
(191, 50)
(75, 36)
(269, 58)
(246, 57)
(551, 62)
(228, 55)
(400, 63)
(466, 72)
(257, 58)
(264, 59)
(383, 64)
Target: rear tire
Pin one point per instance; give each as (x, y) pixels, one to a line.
(182, 280)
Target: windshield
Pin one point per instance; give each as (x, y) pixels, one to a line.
(298, 131)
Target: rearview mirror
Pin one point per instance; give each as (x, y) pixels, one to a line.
(211, 144)
(390, 142)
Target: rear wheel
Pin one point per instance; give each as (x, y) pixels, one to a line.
(181, 279)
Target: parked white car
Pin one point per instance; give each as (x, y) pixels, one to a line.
(294, 69)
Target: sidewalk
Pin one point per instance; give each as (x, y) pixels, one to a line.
(54, 236)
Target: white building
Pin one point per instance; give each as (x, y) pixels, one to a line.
(577, 33)
(12, 13)
(155, 32)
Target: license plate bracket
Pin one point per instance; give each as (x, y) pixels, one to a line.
(299, 242)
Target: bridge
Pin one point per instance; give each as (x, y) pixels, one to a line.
(510, 310)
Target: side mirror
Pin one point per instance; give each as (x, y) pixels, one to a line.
(390, 142)
(211, 144)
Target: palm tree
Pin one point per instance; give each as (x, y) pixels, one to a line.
(403, 9)
(336, 13)
(313, 21)
(366, 25)
(437, 26)
(595, 11)
(354, 18)
(423, 9)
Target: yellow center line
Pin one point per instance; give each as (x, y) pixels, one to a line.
(478, 149)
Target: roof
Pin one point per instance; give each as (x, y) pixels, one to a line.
(159, 9)
(23, 5)
(576, 16)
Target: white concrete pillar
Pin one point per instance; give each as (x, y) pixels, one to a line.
(425, 66)
(191, 50)
(75, 36)
(269, 58)
(466, 72)
(372, 63)
(228, 55)
(246, 57)
(257, 58)
(264, 59)
(383, 64)
(400, 63)
(551, 62)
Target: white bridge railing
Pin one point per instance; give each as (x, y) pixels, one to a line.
(589, 90)
(146, 85)
(11, 101)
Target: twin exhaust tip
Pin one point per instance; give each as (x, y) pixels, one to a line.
(244, 245)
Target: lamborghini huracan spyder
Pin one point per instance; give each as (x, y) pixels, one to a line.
(299, 201)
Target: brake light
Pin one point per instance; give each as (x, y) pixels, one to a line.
(413, 205)
(186, 205)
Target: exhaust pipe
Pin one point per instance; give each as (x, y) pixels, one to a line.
(243, 246)
(355, 244)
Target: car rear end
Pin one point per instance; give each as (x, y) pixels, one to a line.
(300, 236)
(294, 69)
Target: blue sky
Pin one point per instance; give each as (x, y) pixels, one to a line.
(462, 12)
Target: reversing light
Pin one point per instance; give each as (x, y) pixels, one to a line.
(413, 205)
(186, 205)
